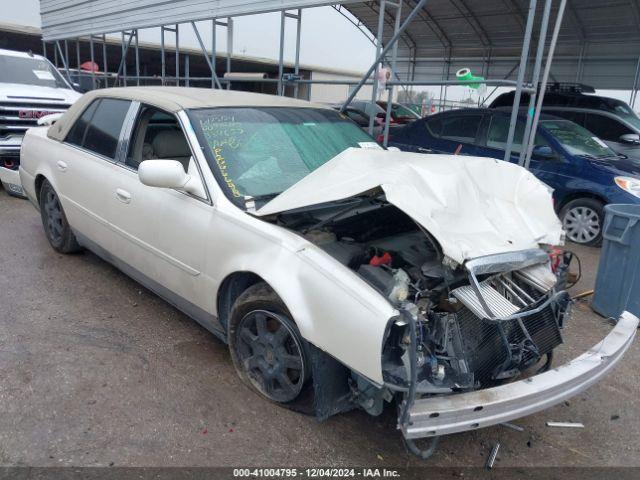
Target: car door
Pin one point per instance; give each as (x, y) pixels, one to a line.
(494, 143)
(163, 233)
(86, 169)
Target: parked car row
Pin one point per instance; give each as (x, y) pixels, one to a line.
(340, 274)
(583, 170)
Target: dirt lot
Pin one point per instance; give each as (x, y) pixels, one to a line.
(96, 370)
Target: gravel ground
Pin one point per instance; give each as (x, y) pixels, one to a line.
(96, 370)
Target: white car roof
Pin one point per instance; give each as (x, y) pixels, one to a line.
(175, 99)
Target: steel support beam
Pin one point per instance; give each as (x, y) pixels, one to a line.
(283, 19)
(211, 62)
(297, 57)
(177, 55)
(92, 57)
(64, 61)
(394, 66)
(545, 79)
(634, 88)
(229, 47)
(123, 62)
(105, 62)
(524, 58)
(374, 90)
(136, 46)
(535, 78)
(384, 51)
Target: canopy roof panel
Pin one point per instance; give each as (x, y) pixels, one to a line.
(599, 42)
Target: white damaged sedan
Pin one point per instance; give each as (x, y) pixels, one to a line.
(341, 275)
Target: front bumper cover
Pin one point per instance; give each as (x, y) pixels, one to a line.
(454, 413)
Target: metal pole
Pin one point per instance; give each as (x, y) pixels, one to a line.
(634, 87)
(545, 79)
(186, 70)
(66, 54)
(214, 77)
(44, 49)
(64, 61)
(536, 78)
(374, 89)
(446, 85)
(296, 88)
(394, 66)
(137, 45)
(229, 47)
(212, 63)
(524, 58)
(281, 54)
(122, 63)
(163, 68)
(78, 54)
(105, 63)
(394, 39)
(93, 70)
(124, 60)
(177, 56)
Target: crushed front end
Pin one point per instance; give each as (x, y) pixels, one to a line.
(474, 353)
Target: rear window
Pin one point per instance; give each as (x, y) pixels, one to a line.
(98, 128)
(462, 128)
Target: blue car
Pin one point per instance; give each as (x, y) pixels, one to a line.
(583, 171)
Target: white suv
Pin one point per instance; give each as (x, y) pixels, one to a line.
(30, 88)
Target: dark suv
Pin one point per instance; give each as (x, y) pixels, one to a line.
(609, 119)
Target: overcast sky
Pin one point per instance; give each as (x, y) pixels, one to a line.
(328, 39)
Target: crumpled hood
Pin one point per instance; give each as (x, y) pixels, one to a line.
(473, 206)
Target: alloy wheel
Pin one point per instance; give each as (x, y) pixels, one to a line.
(271, 355)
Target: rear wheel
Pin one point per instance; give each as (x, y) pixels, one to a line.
(54, 221)
(268, 352)
(583, 220)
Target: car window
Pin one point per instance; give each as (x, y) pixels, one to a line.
(605, 127)
(357, 117)
(260, 152)
(499, 132)
(458, 128)
(76, 134)
(577, 140)
(157, 135)
(575, 117)
(98, 128)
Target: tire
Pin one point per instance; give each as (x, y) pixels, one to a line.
(54, 221)
(583, 221)
(268, 352)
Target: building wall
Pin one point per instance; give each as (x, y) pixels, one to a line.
(336, 93)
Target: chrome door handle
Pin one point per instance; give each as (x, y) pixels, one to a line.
(62, 166)
(424, 150)
(123, 195)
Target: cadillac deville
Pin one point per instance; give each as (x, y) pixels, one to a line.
(341, 275)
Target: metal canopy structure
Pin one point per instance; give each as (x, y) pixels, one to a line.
(424, 42)
(598, 44)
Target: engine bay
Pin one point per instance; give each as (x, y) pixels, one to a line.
(461, 330)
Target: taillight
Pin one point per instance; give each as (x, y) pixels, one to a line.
(380, 138)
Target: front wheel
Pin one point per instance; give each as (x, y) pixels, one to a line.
(583, 221)
(267, 350)
(54, 221)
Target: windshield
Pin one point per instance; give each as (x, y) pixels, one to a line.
(577, 140)
(260, 152)
(29, 71)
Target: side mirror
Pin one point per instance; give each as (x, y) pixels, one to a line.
(167, 174)
(543, 151)
(632, 138)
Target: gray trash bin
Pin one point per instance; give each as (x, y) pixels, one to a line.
(618, 281)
